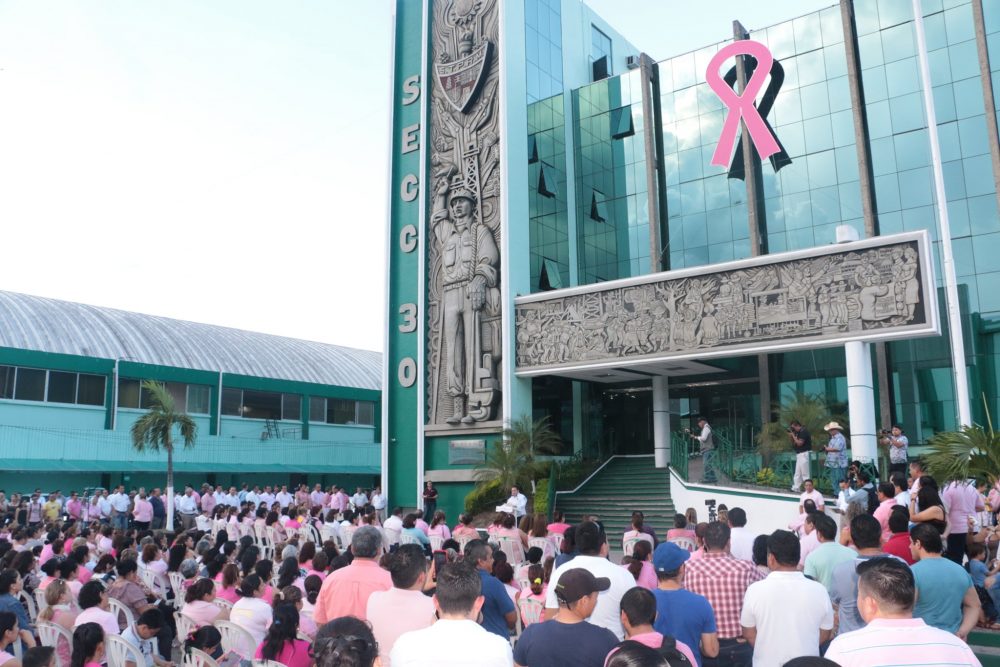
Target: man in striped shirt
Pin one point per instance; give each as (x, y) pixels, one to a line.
(886, 595)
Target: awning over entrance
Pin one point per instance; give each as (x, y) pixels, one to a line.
(876, 289)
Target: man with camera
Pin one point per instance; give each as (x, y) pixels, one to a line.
(802, 444)
(897, 442)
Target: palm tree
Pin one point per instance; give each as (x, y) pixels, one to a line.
(512, 462)
(970, 452)
(155, 430)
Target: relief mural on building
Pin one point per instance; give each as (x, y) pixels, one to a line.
(833, 295)
(463, 258)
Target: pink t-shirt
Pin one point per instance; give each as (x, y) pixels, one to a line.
(655, 640)
(680, 532)
(105, 619)
(557, 528)
(439, 530)
(345, 592)
(293, 654)
(142, 510)
(228, 594)
(4, 657)
(962, 499)
(394, 612)
(647, 576)
(201, 612)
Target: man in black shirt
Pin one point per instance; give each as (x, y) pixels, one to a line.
(802, 444)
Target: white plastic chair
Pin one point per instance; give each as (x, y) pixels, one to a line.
(40, 600)
(154, 582)
(29, 605)
(406, 538)
(51, 634)
(543, 543)
(185, 624)
(120, 652)
(196, 658)
(223, 604)
(685, 543)
(390, 538)
(177, 586)
(120, 610)
(347, 536)
(628, 543)
(236, 639)
(266, 663)
(462, 541)
(513, 548)
(530, 609)
(557, 540)
(436, 542)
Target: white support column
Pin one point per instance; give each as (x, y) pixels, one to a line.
(861, 401)
(661, 422)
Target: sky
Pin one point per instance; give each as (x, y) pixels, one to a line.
(225, 161)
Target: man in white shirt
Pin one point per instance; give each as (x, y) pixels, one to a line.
(741, 538)
(810, 493)
(253, 497)
(105, 507)
(284, 498)
(318, 497)
(233, 497)
(119, 505)
(378, 502)
(518, 502)
(456, 638)
(592, 544)
(394, 522)
(785, 615)
(359, 499)
(188, 508)
(267, 497)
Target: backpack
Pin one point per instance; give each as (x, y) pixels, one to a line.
(872, 500)
(674, 658)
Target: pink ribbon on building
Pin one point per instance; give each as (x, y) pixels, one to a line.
(742, 106)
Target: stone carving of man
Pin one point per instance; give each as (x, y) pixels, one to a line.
(470, 270)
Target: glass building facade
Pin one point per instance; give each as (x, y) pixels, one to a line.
(593, 223)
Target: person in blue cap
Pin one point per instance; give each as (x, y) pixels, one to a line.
(686, 616)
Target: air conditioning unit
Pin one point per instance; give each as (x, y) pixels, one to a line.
(632, 62)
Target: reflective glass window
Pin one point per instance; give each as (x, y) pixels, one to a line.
(30, 385)
(62, 387)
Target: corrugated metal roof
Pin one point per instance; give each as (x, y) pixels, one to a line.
(49, 325)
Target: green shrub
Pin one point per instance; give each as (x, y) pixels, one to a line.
(542, 497)
(484, 497)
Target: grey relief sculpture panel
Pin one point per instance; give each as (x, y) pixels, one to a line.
(463, 258)
(836, 295)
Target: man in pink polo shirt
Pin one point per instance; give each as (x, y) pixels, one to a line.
(345, 591)
(404, 607)
(886, 595)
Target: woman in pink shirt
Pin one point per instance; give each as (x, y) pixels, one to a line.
(281, 643)
(88, 646)
(229, 583)
(9, 633)
(199, 605)
(438, 526)
(509, 530)
(265, 569)
(464, 528)
(59, 610)
(142, 511)
(293, 595)
(681, 528)
(641, 568)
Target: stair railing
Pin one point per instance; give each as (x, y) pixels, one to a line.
(601, 467)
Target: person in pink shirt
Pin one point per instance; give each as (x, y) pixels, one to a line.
(281, 643)
(439, 527)
(404, 607)
(420, 523)
(886, 596)
(886, 501)
(558, 524)
(88, 645)
(641, 567)
(59, 610)
(74, 508)
(638, 610)
(229, 584)
(962, 501)
(681, 528)
(199, 604)
(142, 511)
(346, 591)
(464, 528)
(293, 595)
(534, 591)
(52, 549)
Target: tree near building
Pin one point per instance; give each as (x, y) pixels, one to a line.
(513, 461)
(155, 430)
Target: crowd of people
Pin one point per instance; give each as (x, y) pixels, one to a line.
(325, 578)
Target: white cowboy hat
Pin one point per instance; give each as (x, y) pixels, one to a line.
(833, 425)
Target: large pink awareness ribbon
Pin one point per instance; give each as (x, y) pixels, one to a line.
(742, 106)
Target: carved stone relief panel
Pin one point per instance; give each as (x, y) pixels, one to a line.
(867, 292)
(463, 259)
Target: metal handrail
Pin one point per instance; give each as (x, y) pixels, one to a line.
(602, 466)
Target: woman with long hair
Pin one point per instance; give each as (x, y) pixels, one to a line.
(251, 612)
(282, 643)
(346, 642)
(311, 586)
(439, 526)
(208, 639)
(229, 585)
(88, 646)
(464, 528)
(641, 567)
(9, 633)
(265, 569)
(59, 610)
(293, 595)
(927, 507)
(289, 572)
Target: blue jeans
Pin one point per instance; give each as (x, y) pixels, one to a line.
(836, 476)
(120, 521)
(708, 465)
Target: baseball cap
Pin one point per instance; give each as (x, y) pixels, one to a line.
(577, 583)
(669, 557)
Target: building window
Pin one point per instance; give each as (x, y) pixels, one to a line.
(90, 389)
(621, 123)
(190, 398)
(62, 387)
(30, 385)
(261, 404)
(291, 406)
(251, 404)
(198, 399)
(232, 401)
(366, 413)
(600, 48)
(6, 382)
(341, 411)
(317, 409)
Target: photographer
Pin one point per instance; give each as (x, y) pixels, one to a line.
(802, 444)
(897, 442)
(836, 455)
(706, 448)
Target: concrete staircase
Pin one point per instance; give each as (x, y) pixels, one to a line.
(986, 645)
(624, 484)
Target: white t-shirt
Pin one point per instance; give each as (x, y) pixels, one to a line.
(452, 643)
(393, 523)
(741, 543)
(788, 612)
(253, 615)
(814, 496)
(607, 613)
